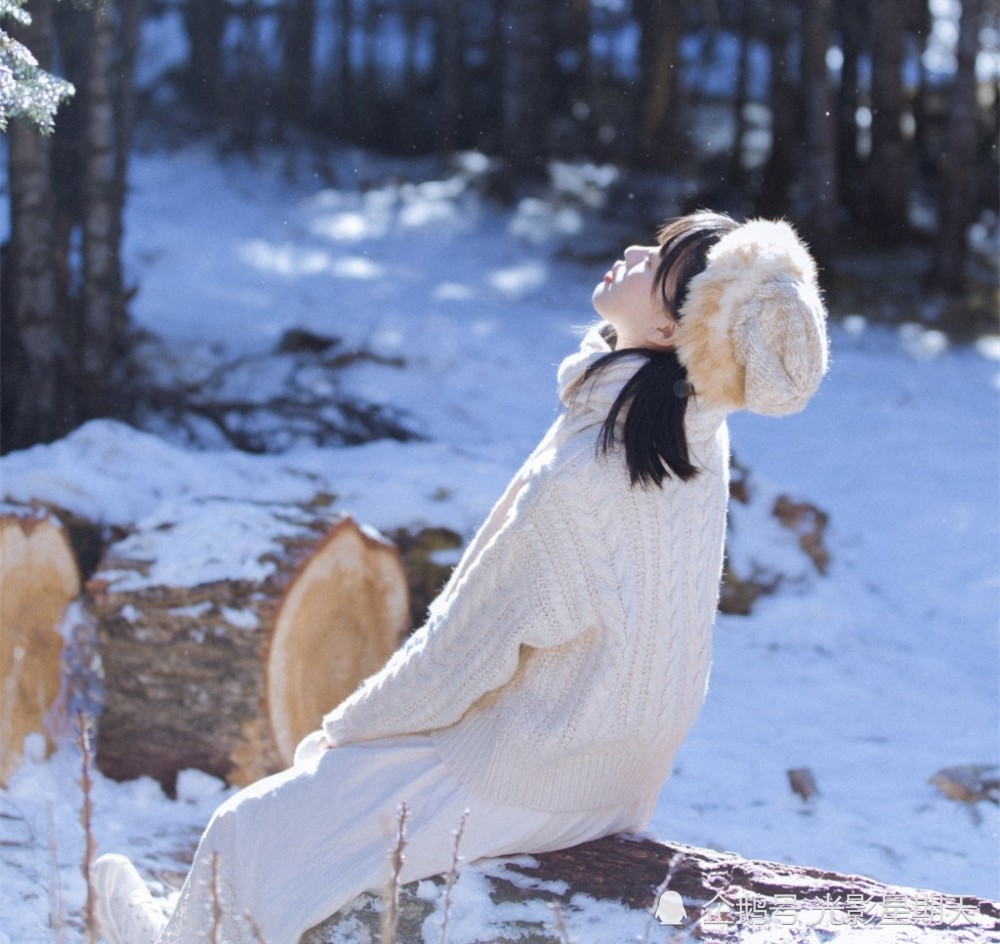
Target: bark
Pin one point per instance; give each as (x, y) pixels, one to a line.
(227, 675)
(104, 328)
(205, 22)
(525, 109)
(38, 348)
(888, 168)
(958, 196)
(39, 577)
(661, 23)
(820, 185)
(346, 93)
(780, 170)
(725, 898)
(297, 66)
(451, 72)
(851, 16)
(738, 169)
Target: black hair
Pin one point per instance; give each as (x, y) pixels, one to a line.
(655, 397)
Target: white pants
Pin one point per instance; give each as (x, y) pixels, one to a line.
(289, 851)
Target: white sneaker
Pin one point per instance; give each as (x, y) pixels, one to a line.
(126, 912)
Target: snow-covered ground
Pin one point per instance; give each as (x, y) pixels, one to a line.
(874, 677)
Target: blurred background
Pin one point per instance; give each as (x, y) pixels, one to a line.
(872, 126)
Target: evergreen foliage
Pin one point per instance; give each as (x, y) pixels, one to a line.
(27, 91)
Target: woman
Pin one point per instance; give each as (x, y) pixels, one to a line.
(568, 655)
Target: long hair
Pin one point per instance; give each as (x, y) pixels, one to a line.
(655, 397)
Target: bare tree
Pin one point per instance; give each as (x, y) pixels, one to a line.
(958, 204)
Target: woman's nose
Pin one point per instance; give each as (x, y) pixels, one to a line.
(633, 254)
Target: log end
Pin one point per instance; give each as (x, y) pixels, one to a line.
(39, 577)
(342, 616)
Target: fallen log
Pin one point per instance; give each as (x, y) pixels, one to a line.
(720, 897)
(38, 579)
(227, 629)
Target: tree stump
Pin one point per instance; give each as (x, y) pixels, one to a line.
(38, 579)
(227, 629)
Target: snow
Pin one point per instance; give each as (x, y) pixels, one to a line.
(874, 676)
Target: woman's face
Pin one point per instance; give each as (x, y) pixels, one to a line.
(627, 300)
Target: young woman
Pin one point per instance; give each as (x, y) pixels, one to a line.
(568, 655)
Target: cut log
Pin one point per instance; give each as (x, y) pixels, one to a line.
(725, 899)
(227, 629)
(38, 579)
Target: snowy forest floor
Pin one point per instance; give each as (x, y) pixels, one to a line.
(446, 315)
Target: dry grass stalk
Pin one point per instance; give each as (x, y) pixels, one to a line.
(390, 915)
(57, 912)
(657, 894)
(87, 822)
(559, 922)
(452, 876)
(216, 902)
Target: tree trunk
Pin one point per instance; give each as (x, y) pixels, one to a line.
(820, 184)
(39, 577)
(205, 23)
(346, 108)
(229, 673)
(525, 108)
(298, 26)
(660, 24)
(851, 16)
(888, 167)
(39, 352)
(451, 72)
(782, 163)
(738, 167)
(958, 204)
(103, 334)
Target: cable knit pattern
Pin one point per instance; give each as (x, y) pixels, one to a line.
(569, 653)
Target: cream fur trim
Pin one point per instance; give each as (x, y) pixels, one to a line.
(752, 331)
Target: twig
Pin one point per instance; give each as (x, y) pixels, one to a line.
(390, 917)
(657, 894)
(452, 876)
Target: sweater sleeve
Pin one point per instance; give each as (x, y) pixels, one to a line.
(525, 589)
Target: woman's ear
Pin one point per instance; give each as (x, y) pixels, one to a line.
(662, 336)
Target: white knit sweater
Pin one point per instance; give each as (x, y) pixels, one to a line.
(568, 655)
